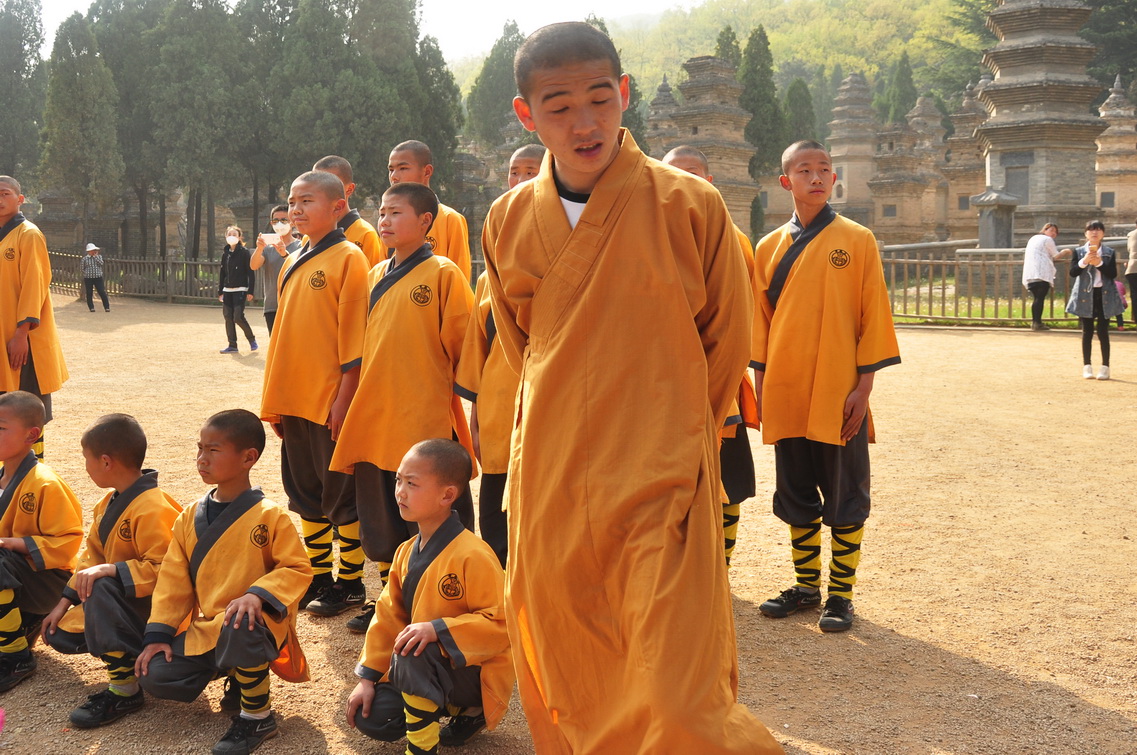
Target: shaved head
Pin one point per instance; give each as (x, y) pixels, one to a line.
(338, 165)
(13, 183)
(26, 408)
(448, 460)
(328, 183)
(559, 45)
(419, 149)
(529, 152)
(689, 159)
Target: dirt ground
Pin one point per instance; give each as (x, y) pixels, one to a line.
(995, 611)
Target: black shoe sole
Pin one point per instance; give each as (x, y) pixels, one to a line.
(781, 614)
(105, 721)
(333, 611)
(832, 628)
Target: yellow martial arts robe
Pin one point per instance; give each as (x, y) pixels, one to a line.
(833, 322)
(456, 583)
(745, 409)
(131, 530)
(450, 237)
(619, 606)
(25, 277)
(361, 233)
(417, 320)
(318, 334)
(251, 547)
(38, 507)
(485, 378)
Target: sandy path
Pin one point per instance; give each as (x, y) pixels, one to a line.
(996, 603)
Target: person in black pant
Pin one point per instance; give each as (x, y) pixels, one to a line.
(1094, 297)
(235, 288)
(92, 265)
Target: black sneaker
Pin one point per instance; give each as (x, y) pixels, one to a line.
(318, 585)
(231, 698)
(15, 668)
(104, 707)
(460, 729)
(790, 601)
(837, 616)
(341, 596)
(359, 624)
(246, 735)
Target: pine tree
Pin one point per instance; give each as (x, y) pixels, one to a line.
(800, 119)
(899, 95)
(1113, 28)
(443, 117)
(766, 130)
(23, 85)
(726, 47)
(489, 103)
(80, 150)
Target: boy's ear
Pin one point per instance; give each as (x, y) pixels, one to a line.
(625, 92)
(33, 434)
(450, 494)
(524, 114)
(250, 456)
(426, 219)
(339, 207)
(349, 190)
(427, 172)
(785, 182)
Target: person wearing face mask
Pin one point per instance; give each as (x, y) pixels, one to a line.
(235, 288)
(272, 261)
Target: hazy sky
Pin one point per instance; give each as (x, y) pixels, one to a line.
(463, 28)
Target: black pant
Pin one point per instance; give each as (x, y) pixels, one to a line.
(491, 519)
(1132, 279)
(99, 285)
(233, 305)
(314, 491)
(270, 319)
(1039, 290)
(1102, 328)
(815, 480)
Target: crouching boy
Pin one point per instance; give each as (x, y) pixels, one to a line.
(437, 644)
(104, 607)
(233, 576)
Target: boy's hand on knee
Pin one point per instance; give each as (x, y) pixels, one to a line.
(359, 701)
(142, 665)
(247, 605)
(85, 579)
(415, 637)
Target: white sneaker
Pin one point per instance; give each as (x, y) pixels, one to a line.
(1088, 372)
(1103, 373)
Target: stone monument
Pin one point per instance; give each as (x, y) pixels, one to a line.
(1117, 162)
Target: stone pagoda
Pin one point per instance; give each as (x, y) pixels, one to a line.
(1040, 137)
(1117, 162)
(852, 145)
(898, 187)
(710, 120)
(964, 167)
(661, 128)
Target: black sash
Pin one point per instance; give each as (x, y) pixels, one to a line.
(419, 560)
(118, 504)
(491, 331)
(801, 239)
(208, 534)
(11, 225)
(326, 243)
(395, 274)
(27, 465)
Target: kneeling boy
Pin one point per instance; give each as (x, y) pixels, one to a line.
(438, 639)
(104, 608)
(41, 529)
(234, 575)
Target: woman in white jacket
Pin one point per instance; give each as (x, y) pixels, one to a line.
(1038, 270)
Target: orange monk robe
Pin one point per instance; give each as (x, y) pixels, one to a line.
(617, 594)
(485, 378)
(361, 233)
(25, 277)
(318, 336)
(745, 409)
(415, 327)
(833, 323)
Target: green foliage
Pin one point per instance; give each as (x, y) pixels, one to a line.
(80, 150)
(757, 218)
(726, 47)
(23, 85)
(489, 103)
(633, 118)
(899, 95)
(767, 129)
(1113, 28)
(800, 119)
(441, 118)
(824, 91)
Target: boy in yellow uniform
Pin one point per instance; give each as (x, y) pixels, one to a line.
(822, 329)
(438, 643)
(228, 588)
(41, 529)
(486, 380)
(614, 277)
(735, 458)
(34, 361)
(419, 306)
(311, 373)
(358, 231)
(104, 607)
(412, 162)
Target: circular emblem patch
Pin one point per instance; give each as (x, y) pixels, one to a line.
(124, 532)
(318, 280)
(28, 503)
(433, 244)
(838, 258)
(9, 254)
(449, 587)
(259, 535)
(421, 295)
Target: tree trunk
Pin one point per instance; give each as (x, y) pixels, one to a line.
(196, 224)
(211, 223)
(252, 240)
(143, 194)
(83, 224)
(162, 222)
